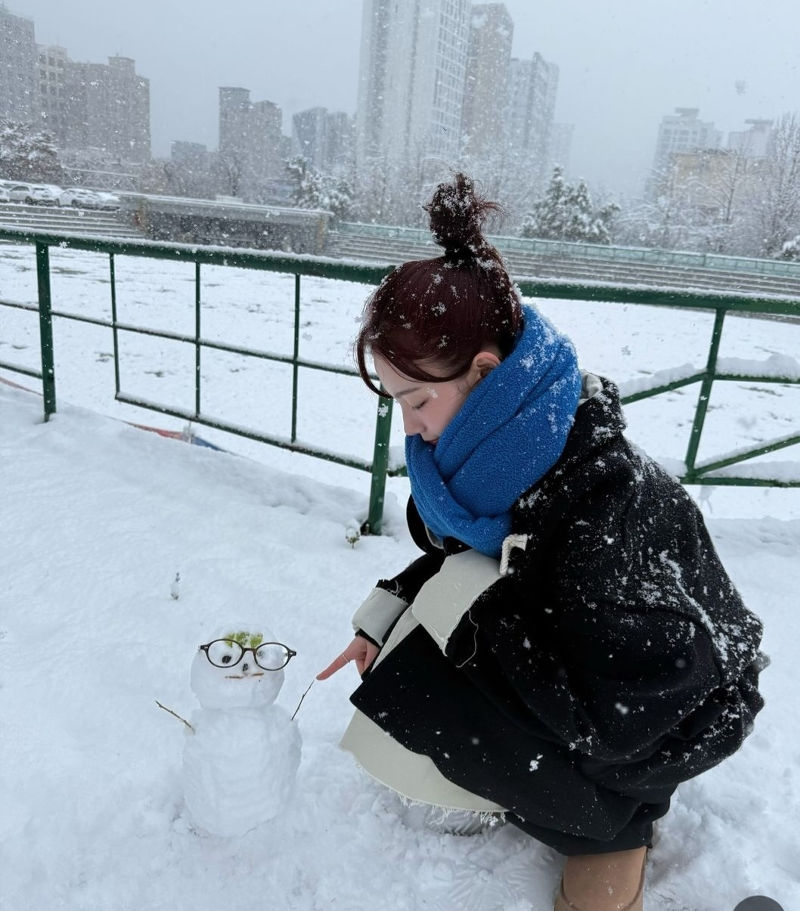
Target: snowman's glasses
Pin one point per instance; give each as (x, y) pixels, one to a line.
(269, 656)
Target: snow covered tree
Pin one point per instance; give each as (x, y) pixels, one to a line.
(312, 190)
(670, 223)
(229, 169)
(181, 179)
(501, 175)
(371, 194)
(28, 154)
(548, 217)
(306, 183)
(775, 203)
(338, 197)
(791, 249)
(154, 177)
(566, 212)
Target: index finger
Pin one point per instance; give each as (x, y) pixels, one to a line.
(336, 665)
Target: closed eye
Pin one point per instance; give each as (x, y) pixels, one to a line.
(420, 405)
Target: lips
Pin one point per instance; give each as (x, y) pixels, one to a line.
(244, 676)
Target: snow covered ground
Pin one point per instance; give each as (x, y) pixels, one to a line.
(98, 518)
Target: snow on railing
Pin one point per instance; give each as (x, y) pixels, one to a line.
(776, 366)
(658, 378)
(784, 473)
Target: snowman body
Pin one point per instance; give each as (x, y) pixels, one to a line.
(241, 759)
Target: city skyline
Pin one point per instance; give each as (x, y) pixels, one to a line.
(614, 88)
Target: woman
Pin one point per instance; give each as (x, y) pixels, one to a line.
(568, 648)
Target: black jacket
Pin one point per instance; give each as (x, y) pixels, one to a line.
(614, 660)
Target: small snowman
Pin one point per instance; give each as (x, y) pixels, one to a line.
(240, 759)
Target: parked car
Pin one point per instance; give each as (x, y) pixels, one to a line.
(4, 195)
(79, 198)
(43, 195)
(18, 192)
(107, 200)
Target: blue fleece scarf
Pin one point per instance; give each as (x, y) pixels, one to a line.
(509, 432)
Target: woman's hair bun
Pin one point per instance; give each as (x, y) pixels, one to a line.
(457, 214)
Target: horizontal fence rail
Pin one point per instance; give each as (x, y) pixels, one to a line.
(715, 471)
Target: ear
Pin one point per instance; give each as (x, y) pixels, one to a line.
(483, 363)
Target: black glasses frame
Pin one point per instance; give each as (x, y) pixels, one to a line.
(290, 653)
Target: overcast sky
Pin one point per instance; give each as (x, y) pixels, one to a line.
(623, 63)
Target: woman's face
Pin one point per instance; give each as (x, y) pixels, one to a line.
(429, 407)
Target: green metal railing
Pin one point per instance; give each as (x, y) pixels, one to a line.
(298, 266)
(301, 266)
(721, 304)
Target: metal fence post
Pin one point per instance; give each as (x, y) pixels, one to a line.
(197, 339)
(112, 275)
(380, 467)
(295, 355)
(46, 330)
(705, 393)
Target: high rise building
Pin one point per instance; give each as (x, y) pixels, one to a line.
(560, 146)
(486, 85)
(98, 114)
(52, 100)
(753, 142)
(682, 131)
(266, 138)
(339, 144)
(18, 84)
(714, 185)
(309, 130)
(234, 115)
(710, 188)
(107, 107)
(252, 148)
(411, 88)
(370, 104)
(534, 84)
(250, 133)
(324, 139)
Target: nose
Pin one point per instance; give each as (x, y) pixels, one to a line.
(411, 421)
(245, 667)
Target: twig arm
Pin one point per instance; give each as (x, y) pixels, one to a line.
(301, 699)
(176, 715)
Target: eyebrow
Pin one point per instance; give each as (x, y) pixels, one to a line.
(401, 392)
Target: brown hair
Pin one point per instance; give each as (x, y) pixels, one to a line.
(443, 311)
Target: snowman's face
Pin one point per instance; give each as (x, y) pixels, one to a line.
(231, 671)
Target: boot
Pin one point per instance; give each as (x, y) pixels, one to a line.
(603, 882)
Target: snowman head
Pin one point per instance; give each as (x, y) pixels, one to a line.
(241, 666)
